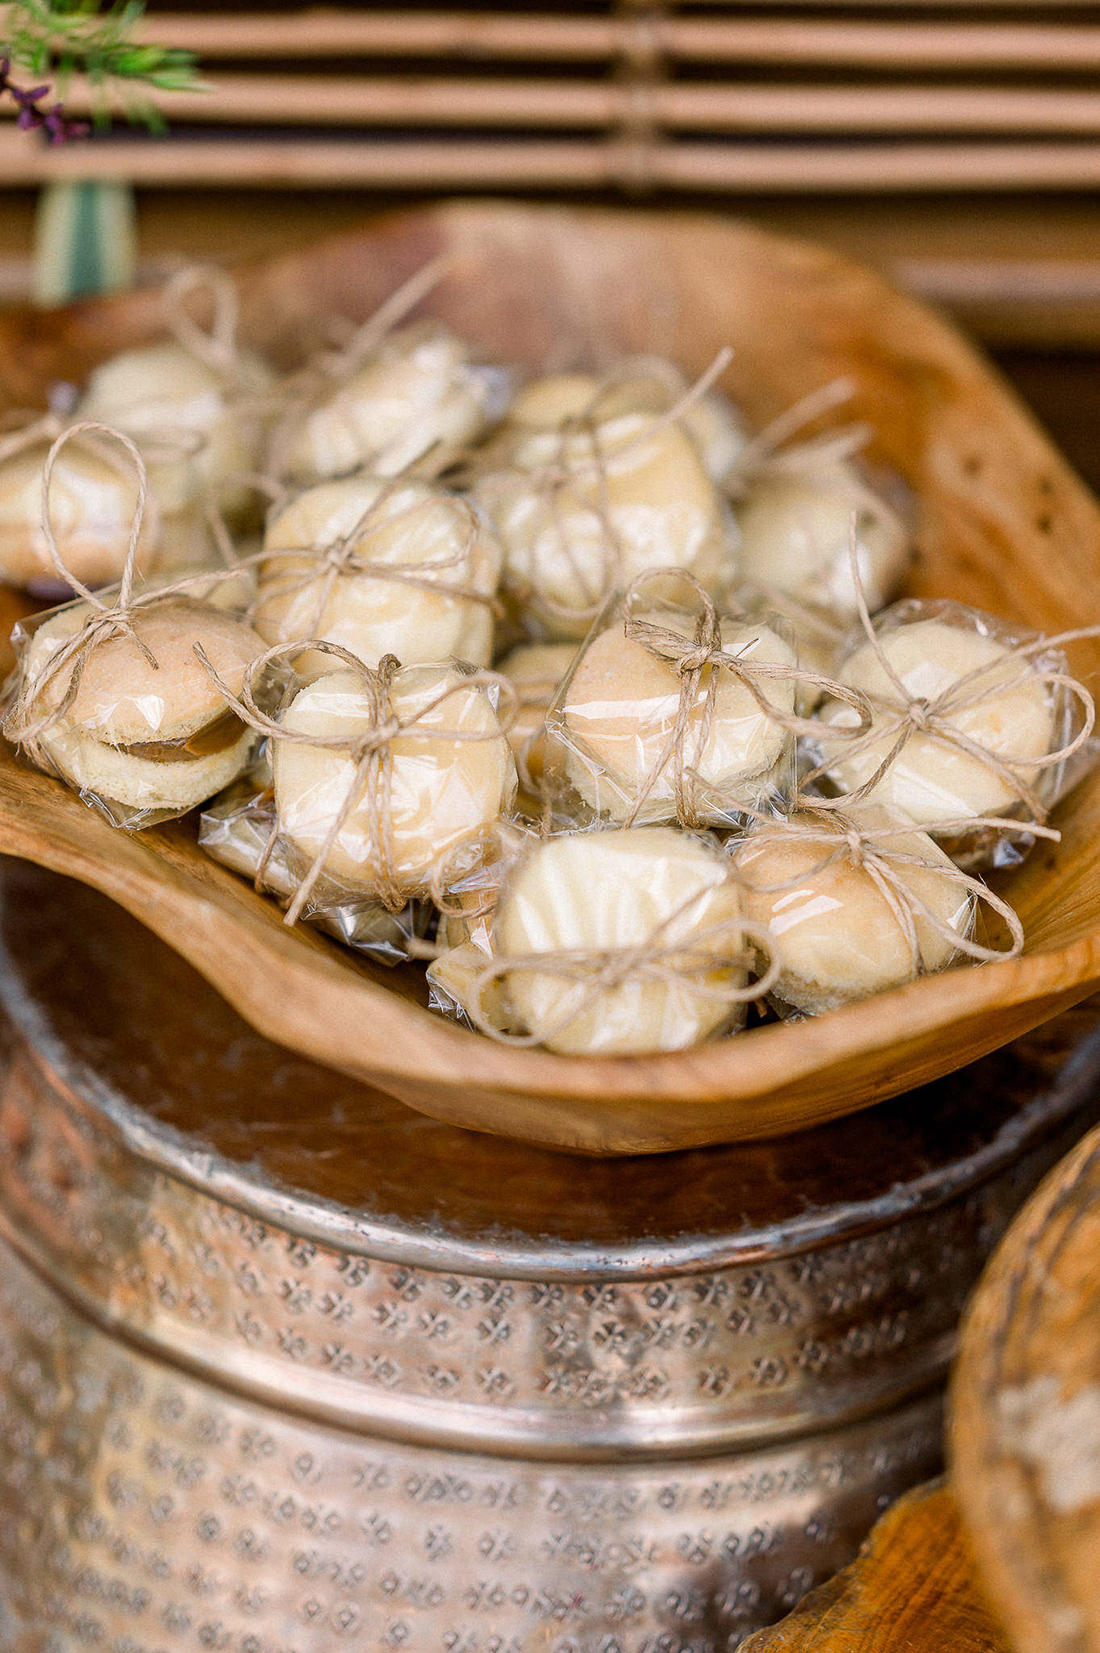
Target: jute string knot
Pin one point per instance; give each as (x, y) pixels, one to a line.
(370, 753)
(345, 556)
(660, 960)
(702, 652)
(107, 617)
(566, 469)
(899, 715)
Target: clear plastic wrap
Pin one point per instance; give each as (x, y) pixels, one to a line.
(672, 712)
(115, 702)
(819, 639)
(537, 672)
(856, 903)
(240, 830)
(378, 775)
(381, 567)
(973, 719)
(611, 943)
(797, 522)
(415, 397)
(640, 384)
(582, 510)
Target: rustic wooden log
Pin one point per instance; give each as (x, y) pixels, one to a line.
(913, 1588)
(1025, 1426)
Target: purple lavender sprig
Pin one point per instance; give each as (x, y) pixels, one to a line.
(33, 113)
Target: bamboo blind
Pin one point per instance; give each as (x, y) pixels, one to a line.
(708, 96)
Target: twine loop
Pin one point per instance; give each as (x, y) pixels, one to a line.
(371, 753)
(216, 346)
(902, 715)
(690, 657)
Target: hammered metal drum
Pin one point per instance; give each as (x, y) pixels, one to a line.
(287, 1368)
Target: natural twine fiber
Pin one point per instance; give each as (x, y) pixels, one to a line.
(371, 754)
(907, 715)
(703, 654)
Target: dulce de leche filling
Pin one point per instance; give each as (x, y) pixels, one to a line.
(214, 737)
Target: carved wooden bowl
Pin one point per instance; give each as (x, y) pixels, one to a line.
(1003, 523)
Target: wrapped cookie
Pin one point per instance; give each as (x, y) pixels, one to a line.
(378, 775)
(857, 902)
(395, 566)
(614, 943)
(203, 384)
(581, 511)
(803, 500)
(672, 712)
(971, 718)
(645, 384)
(115, 695)
(796, 528)
(415, 397)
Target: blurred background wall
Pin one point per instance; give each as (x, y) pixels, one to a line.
(957, 145)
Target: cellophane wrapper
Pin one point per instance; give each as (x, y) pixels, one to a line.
(128, 816)
(602, 752)
(833, 931)
(593, 912)
(237, 830)
(983, 847)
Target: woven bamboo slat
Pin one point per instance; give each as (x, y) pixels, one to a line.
(632, 95)
(425, 100)
(1031, 46)
(462, 164)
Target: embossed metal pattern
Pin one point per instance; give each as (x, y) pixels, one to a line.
(153, 1512)
(687, 1362)
(194, 1259)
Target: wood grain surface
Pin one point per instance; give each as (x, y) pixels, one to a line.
(912, 1589)
(1003, 523)
(1025, 1423)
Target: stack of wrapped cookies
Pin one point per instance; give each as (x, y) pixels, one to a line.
(570, 687)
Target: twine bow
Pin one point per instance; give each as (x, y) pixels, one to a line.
(344, 556)
(869, 850)
(703, 652)
(217, 345)
(904, 715)
(659, 959)
(371, 753)
(567, 469)
(106, 618)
